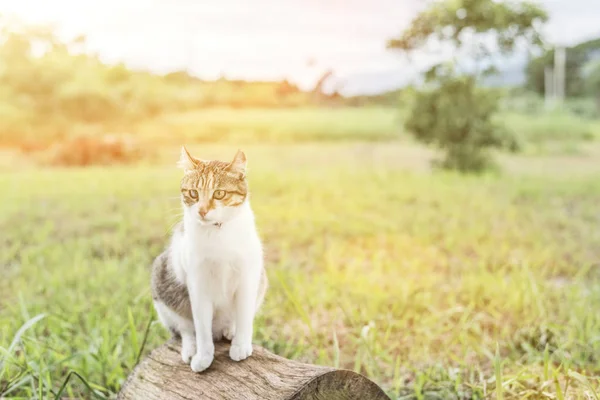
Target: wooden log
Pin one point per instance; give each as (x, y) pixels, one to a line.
(265, 376)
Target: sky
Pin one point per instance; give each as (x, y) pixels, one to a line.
(267, 39)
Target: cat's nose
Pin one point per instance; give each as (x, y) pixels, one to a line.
(203, 211)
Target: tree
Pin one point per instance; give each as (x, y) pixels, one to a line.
(593, 82)
(454, 113)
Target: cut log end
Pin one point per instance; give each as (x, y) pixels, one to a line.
(265, 376)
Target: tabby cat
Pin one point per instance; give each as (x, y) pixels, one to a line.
(209, 283)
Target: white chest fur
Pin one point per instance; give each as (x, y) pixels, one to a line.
(217, 255)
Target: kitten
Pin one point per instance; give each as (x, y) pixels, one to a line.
(210, 281)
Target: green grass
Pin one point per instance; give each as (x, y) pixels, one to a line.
(341, 124)
(433, 285)
(275, 125)
(544, 128)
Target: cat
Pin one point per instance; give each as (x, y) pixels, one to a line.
(210, 282)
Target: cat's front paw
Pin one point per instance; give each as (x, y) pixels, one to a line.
(229, 332)
(187, 352)
(240, 351)
(202, 359)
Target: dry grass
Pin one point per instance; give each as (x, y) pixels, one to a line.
(86, 150)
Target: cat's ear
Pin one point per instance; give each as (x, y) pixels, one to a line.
(186, 161)
(238, 165)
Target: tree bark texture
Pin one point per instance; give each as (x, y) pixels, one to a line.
(264, 376)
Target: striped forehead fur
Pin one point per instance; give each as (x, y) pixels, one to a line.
(209, 176)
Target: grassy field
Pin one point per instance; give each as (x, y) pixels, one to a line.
(275, 125)
(543, 132)
(433, 285)
(254, 125)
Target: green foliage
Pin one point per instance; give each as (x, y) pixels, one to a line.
(593, 83)
(456, 115)
(49, 88)
(459, 21)
(54, 87)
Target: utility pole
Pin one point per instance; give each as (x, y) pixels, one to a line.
(560, 59)
(548, 87)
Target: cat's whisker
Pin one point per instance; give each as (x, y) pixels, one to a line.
(173, 224)
(176, 217)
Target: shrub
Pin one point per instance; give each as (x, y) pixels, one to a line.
(457, 118)
(85, 150)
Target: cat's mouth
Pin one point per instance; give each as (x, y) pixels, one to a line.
(205, 221)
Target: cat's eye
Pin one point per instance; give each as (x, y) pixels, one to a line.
(219, 194)
(193, 193)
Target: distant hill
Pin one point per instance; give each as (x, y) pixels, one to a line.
(513, 75)
(371, 83)
(381, 83)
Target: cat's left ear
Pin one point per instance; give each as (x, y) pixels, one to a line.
(186, 161)
(238, 165)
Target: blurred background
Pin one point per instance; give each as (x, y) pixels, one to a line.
(424, 176)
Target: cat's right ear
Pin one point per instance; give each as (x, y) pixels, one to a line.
(186, 161)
